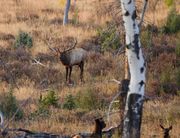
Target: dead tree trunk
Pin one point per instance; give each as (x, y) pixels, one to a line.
(66, 11)
(134, 100)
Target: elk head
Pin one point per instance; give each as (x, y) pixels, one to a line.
(166, 131)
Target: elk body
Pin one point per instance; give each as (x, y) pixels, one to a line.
(71, 57)
(166, 131)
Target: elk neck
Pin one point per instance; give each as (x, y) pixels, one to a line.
(65, 58)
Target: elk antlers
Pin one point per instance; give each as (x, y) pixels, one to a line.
(75, 42)
(57, 50)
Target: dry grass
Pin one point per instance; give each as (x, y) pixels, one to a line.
(43, 19)
(163, 111)
(157, 12)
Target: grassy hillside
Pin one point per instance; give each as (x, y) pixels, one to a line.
(52, 105)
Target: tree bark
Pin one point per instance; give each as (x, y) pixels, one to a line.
(66, 11)
(1, 120)
(134, 101)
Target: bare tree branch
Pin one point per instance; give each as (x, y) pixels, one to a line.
(110, 131)
(110, 105)
(24, 133)
(143, 12)
(116, 81)
(38, 62)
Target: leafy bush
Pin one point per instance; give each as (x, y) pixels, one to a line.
(89, 100)
(169, 2)
(75, 18)
(109, 38)
(69, 102)
(177, 49)
(146, 38)
(9, 106)
(173, 22)
(50, 99)
(23, 40)
(178, 77)
(165, 76)
(45, 102)
(166, 82)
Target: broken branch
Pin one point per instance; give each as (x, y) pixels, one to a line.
(38, 62)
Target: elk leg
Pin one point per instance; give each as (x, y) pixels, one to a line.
(67, 71)
(70, 74)
(82, 69)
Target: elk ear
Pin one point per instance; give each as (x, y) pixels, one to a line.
(170, 127)
(97, 120)
(161, 126)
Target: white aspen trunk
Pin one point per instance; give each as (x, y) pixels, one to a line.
(66, 11)
(137, 67)
(1, 120)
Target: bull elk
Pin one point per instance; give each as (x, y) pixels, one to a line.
(71, 57)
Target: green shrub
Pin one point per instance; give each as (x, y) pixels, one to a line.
(75, 18)
(177, 49)
(173, 22)
(89, 100)
(109, 38)
(69, 102)
(146, 38)
(9, 106)
(45, 102)
(167, 82)
(169, 2)
(178, 77)
(50, 99)
(164, 81)
(165, 76)
(23, 40)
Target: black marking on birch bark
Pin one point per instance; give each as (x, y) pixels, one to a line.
(129, 1)
(136, 45)
(134, 25)
(126, 13)
(125, 85)
(133, 115)
(142, 69)
(141, 83)
(144, 64)
(128, 46)
(134, 15)
(124, 88)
